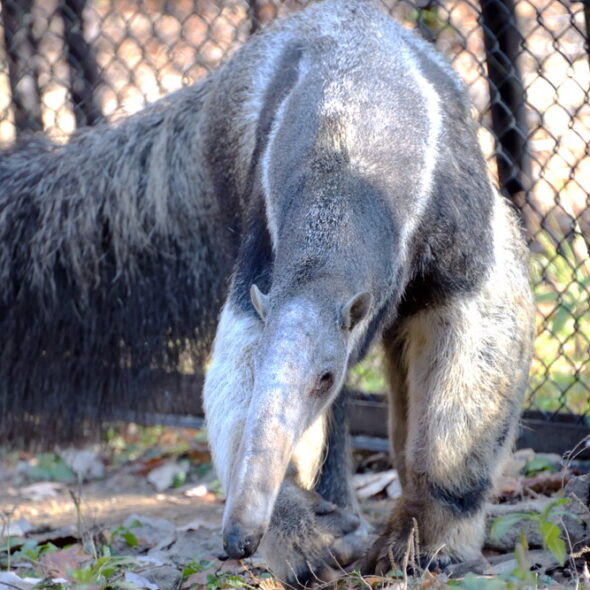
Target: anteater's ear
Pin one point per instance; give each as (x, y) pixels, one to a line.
(259, 301)
(355, 310)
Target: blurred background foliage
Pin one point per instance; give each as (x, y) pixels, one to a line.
(69, 63)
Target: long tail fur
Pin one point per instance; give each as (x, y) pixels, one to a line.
(112, 264)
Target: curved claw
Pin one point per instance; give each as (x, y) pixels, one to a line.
(332, 562)
(350, 549)
(313, 540)
(378, 559)
(371, 563)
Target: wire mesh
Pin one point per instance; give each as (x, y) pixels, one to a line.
(69, 63)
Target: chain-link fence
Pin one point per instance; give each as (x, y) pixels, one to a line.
(69, 63)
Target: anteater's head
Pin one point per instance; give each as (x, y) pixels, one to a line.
(299, 367)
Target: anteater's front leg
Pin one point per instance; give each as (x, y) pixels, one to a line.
(464, 365)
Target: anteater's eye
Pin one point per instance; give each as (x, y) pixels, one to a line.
(324, 383)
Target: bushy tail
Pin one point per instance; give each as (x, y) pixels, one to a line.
(112, 265)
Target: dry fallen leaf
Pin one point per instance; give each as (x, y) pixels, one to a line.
(86, 463)
(199, 455)
(58, 563)
(16, 528)
(196, 491)
(150, 531)
(164, 476)
(546, 483)
(233, 566)
(196, 524)
(509, 486)
(42, 489)
(369, 484)
(270, 584)
(11, 580)
(198, 580)
(150, 464)
(140, 581)
(373, 581)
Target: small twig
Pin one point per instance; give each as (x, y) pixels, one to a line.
(294, 575)
(532, 492)
(250, 573)
(84, 533)
(569, 456)
(362, 579)
(76, 499)
(416, 564)
(6, 521)
(433, 556)
(583, 551)
(406, 559)
(314, 574)
(392, 561)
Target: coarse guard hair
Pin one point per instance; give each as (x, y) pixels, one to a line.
(112, 266)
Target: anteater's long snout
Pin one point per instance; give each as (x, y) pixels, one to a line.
(284, 404)
(273, 427)
(238, 542)
(280, 410)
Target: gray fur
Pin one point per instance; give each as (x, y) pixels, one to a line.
(333, 163)
(112, 264)
(364, 176)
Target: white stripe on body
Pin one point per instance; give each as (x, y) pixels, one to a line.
(433, 112)
(267, 185)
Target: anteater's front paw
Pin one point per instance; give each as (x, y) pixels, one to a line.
(395, 551)
(311, 540)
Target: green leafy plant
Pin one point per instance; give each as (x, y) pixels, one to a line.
(544, 521)
(48, 466)
(213, 578)
(28, 551)
(102, 569)
(33, 551)
(520, 578)
(124, 532)
(537, 465)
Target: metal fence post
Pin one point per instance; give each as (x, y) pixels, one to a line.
(84, 76)
(503, 39)
(21, 51)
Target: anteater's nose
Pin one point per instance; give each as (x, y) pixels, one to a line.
(238, 543)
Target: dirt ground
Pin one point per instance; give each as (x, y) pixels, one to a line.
(108, 502)
(167, 500)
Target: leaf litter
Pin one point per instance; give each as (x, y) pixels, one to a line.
(123, 534)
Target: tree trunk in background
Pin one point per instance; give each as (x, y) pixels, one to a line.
(21, 53)
(261, 12)
(84, 76)
(503, 41)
